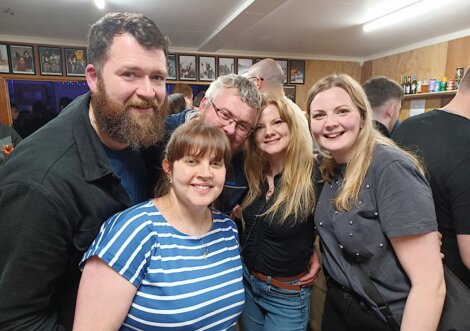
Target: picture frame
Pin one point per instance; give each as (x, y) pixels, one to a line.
(4, 59)
(225, 65)
(187, 67)
(22, 59)
(297, 72)
(243, 64)
(289, 91)
(207, 69)
(171, 66)
(285, 66)
(50, 61)
(75, 61)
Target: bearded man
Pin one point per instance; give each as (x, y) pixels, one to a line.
(60, 184)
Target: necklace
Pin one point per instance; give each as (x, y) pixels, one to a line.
(205, 251)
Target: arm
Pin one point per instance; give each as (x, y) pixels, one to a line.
(419, 255)
(35, 237)
(313, 270)
(104, 298)
(464, 248)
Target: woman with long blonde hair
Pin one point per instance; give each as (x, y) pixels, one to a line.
(278, 239)
(375, 212)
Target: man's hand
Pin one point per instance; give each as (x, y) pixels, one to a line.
(314, 267)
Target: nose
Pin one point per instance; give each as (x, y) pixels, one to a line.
(204, 170)
(145, 89)
(331, 121)
(230, 128)
(268, 131)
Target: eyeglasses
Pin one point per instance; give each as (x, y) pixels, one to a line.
(242, 129)
(255, 77)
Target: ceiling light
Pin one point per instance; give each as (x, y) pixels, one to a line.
(100, 4)
(405, 13)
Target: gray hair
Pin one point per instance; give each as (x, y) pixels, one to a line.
(247, 91)
(102, 33)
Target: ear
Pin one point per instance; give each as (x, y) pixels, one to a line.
(203, 105)
(166, 167)
(91, 77)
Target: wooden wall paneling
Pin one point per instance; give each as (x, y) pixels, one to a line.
(458, 55)
(5, 114)
(426, 62)
(316, 69)
(366, 71)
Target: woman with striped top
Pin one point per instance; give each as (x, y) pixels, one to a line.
(171, 263)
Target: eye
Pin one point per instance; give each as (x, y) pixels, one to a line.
(190, 161)
(129, 74)
(317, 116)
(244, 127)
(217, 163)
(224, 115)
(278, 122)
(343, 111)
(159, 78)
(259, 128)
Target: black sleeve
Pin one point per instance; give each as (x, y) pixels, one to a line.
(35, 240)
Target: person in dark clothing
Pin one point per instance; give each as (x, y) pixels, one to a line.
(60, 185)
(9, 138)
(385, 96)
(442, 138)
(176, 103)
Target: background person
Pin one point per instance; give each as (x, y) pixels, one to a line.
(385, 96)
(172, 262)
(278, 213)
(442, 137)
(59, 185)
(187, 92)
(375, 211)
(176, 103)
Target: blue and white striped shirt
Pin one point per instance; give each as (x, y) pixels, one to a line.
(178, 287)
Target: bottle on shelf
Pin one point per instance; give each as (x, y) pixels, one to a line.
(408, 85)
(414, 85)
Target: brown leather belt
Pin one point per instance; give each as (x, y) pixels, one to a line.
(280, 282)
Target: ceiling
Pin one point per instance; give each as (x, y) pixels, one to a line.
(307, 29)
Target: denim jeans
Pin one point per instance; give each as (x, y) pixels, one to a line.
(270, 308)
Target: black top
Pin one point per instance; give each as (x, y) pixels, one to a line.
(382, 129)
(443, 140)
(271, 248)
(56, 189)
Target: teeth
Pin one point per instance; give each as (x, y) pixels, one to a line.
(202, 186)
(333, 135)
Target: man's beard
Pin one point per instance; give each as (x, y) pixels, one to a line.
(128, 127)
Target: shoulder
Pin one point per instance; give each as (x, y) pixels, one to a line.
(385, 155)
(174, 120)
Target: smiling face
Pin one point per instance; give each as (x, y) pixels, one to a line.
(129, 93)
(229, 101)
(272, 134)
(196, 181)
(335, 122)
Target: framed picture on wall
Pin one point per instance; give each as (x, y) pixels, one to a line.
(22, 59)
(50, 61)
(284, 66)
(75, 61)
(289, 91)
(243, 64)
(187, 68)
(207, 68)
(171, 66)
(4, 59)
(226, 65)
(297, 72)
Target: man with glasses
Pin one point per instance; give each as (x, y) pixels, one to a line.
(232, 103)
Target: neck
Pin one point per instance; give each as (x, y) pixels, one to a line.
(104, 138)
(459, 105)
(276, 164)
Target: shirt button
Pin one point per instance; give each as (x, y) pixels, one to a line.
(351, 222)
(381, 245)
(336, 212)
(350, 234)
(321, 223)
(357, 254)
(340, 246)
(367, 186)
(376, 213)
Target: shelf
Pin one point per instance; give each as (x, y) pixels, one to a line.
(430, 95)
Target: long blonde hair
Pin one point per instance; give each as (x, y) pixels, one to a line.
(296, 193)
(364, 146)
